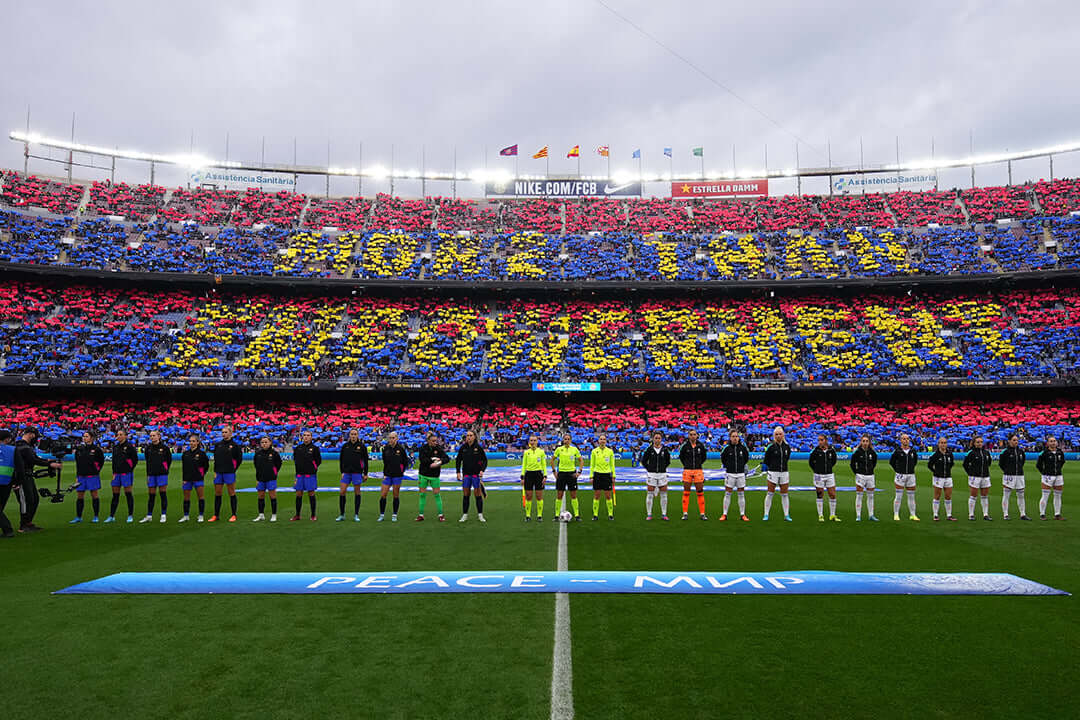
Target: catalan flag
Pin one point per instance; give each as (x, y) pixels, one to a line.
(603, 151)
(541, 153)
(574, 152)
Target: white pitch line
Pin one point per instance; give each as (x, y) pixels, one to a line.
(562, 674)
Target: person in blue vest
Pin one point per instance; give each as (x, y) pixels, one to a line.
(7, 474)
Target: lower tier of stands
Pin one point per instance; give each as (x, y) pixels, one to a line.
(507, 426)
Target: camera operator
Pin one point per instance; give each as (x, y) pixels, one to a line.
(7, 473)
(26, 459)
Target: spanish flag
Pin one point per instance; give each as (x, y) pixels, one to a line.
(574, 152)
(603, 151)
(541, 153)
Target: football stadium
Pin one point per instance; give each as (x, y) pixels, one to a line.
(668, 424)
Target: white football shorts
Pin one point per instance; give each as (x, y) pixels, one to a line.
(779, 478)
(867, 482)
(735, 480)
(1054, 481)
(656, 479)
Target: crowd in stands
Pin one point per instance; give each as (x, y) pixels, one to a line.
(206, 230)
(987, 204)
(28, 191)
(507, 426)
(348, 214)
(132, 202)
(65, 331)
(99, 242)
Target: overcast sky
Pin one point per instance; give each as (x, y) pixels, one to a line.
(482, 75)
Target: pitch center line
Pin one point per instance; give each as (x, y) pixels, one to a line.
(562, 678)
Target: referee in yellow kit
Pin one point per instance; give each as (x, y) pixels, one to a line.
(602, 472)
(533, 474)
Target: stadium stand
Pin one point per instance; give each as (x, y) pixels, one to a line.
(917, 209)
(987, 204)
(202, 205)
(904, 234)
(341, 213)
(985, 335)
(29, 191)
(393, 213)
(132, 202)
(504, 426)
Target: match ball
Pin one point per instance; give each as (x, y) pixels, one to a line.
(566, 516)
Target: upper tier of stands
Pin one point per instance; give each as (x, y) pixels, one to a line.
(82, 331)
(505, 426)
(148, 228)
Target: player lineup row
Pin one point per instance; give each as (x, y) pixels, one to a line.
(567, 464)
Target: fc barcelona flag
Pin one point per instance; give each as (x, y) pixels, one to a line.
(508, 151)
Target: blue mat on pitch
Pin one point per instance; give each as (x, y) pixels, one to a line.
(803, 582)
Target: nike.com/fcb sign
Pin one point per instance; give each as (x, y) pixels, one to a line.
(561, 189)
(720, 188)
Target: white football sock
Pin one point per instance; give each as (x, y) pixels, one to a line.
(820, 506)
(858, 503)
(870, 502)
(896, 502)
(832, 507)
(1057, 501)
(650, 493)
(663, 501)
(742, 503)
(937, 504)
(948, 508)
(784, 503)
(1021, 506)
(911, 503)
(984, 500)
(1005, 501)
(768, 502)
(971, 505)
(727, 501)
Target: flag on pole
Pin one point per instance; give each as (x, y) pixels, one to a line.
(574, 152)
(508, 151)
(667, 152)
(603, 151)
(698, 152)
(636, 155)
(541, 153)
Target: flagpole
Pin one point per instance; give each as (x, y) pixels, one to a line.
(702, 162)
(609, 162)
(579, 163)
(547, 166)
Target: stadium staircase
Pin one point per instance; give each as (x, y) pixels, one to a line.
(303, 212)
(83, 201)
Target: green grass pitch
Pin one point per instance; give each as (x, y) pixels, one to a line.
(490, 656)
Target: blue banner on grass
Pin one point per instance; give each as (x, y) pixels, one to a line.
(802, 582)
